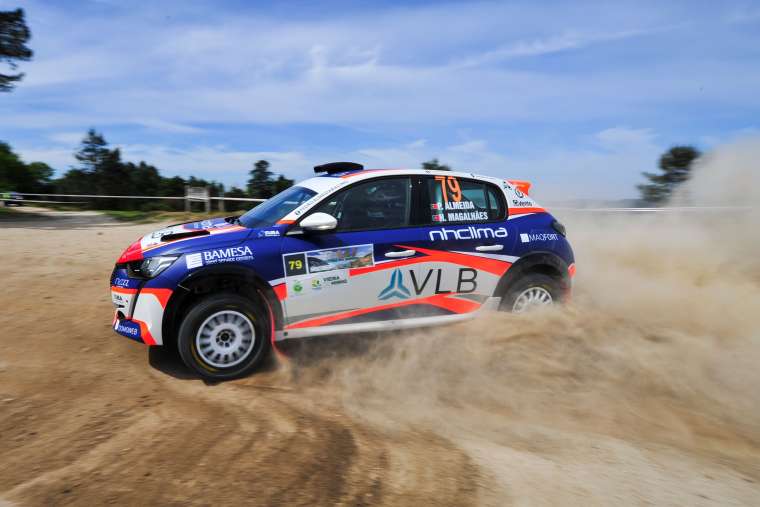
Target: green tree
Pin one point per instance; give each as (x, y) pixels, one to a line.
(14, 34)
(13, 172)
(280, 184)
(237, 192)
(434, 165)
(260, 182)
(675, 166)
(93, 151)
(21, 177)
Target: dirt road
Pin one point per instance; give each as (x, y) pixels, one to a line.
(643, 391)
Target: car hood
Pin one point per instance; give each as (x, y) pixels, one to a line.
(194, 236)
(188, 231)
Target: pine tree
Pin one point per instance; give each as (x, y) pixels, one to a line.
(280, 184)
(93, 152)
(260, 182)
(14, 34)
(676, 165)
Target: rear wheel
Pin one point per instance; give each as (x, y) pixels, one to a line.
(530, 292)
(224, 336)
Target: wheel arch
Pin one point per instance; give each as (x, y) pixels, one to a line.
(546, 263)
(235, 278)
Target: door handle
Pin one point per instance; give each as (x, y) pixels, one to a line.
(400, 253)
(489, 248)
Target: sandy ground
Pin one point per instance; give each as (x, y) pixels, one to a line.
(643, 391)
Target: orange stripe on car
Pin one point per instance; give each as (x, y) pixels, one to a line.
(281, 290)
(162, 295)
(525, 211)
(493, 266)
(439, 300)
(123, 290)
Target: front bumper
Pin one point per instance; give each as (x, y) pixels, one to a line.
(138, 310)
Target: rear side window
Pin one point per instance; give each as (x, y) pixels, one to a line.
(456, 200)
(376, 204)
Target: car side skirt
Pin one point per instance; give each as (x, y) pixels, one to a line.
(491, 304)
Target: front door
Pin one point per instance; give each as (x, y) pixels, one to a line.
(358, 273)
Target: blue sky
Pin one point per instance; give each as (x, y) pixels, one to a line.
(579, 97)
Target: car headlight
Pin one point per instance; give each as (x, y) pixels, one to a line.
(152, 266)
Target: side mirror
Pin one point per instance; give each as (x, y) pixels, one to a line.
(319, 222)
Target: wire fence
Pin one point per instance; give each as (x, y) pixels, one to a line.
(189, 198)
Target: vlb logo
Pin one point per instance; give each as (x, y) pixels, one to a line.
(395, 288)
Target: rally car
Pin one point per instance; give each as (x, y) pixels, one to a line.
(349, 250)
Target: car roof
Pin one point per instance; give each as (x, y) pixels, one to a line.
(326, 181)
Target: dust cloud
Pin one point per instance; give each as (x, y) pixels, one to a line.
(643, 388)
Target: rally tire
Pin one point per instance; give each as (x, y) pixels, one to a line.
(543, 289)
(225, 336)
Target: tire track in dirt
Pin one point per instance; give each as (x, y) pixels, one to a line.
(86, 420)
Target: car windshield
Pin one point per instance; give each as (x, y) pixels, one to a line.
(270, 211)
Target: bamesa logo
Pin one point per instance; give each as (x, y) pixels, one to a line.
(231, 254)
(395, 288)
(468, 233)
(528, 237)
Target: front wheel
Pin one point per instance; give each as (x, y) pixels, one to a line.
(224, 336)
(530, 292)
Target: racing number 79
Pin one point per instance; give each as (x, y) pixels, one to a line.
(295, 263)
(449, 184)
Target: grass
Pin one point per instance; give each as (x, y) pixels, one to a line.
(6, 212)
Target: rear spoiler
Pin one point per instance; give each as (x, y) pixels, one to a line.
(521, 185)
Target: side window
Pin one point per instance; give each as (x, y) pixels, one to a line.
(375, 204)
(456, 200)
(496, 208)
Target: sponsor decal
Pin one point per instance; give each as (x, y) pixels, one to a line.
(121, 282)
(519, 193)
(522, 204)
(466, 282)
(218, 256)
(340, 258)
(126, 328)
(269, 233)
(208, 224)
(231, 254)
(193, 260)
(395, 288)
(339, 278)
(331, 259)
(318, 197)
(470, 232)
(303, 286)
(528, 237)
